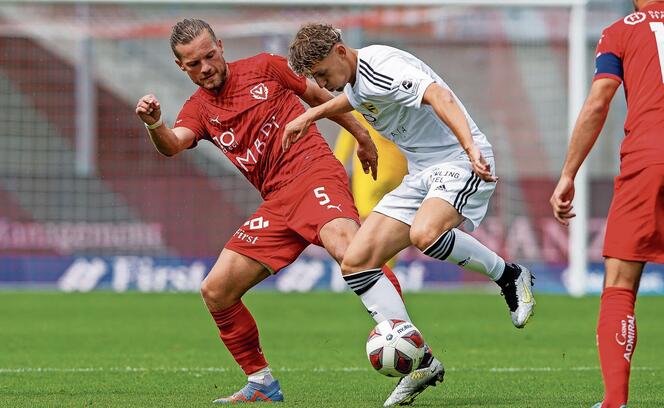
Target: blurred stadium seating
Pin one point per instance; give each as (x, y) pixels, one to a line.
(508, 65)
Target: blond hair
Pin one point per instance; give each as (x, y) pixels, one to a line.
(312, 43)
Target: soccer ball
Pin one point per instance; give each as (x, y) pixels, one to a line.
(395, 348)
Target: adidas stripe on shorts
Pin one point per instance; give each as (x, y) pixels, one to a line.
(454, 182)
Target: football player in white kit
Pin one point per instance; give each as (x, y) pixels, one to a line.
(451, 176)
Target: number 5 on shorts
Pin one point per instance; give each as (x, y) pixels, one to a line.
(324, 198)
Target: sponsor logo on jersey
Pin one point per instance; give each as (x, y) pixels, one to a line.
(226, 140)
(369, 118)
(243, 236)
(659, 15)
(635, 18)
(399, 132)
(257, 223)
(259, 91)
(370, 107)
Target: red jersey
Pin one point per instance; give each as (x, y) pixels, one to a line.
(632, 51)
(245, 120)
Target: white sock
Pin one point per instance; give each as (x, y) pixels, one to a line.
(262, 376)
(378, 294)
(464, 250)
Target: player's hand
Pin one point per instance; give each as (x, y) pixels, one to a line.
(480, 166)
(368, 155)
(294, 130)
(561, 200)
(148, 109)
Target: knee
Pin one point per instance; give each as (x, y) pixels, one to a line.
(208, 290)
(338, 251)
(336, 237)
(217, 295)
(354, 262)
(422, 237)
(623, 274)
(621, 281)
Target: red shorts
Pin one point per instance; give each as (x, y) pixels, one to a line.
(291, 218)
(635, 224)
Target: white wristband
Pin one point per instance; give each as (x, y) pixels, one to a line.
(154, 125)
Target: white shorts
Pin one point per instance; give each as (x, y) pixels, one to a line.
(454, 182)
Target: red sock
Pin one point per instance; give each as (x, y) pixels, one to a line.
(238, 331)
(616, 341)
(393, 278)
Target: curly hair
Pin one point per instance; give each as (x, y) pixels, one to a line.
(312, 43)
(186, 30)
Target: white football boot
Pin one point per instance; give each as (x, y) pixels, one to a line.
(412, 385)
(518, 295)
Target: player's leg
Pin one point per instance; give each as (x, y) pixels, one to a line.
(326, 215)
(379, 238)
(434, 232)
(455, 196)
(263, 244)
(335, 237)
(230, 278)
(634, 232)
(376, 285)
(616, 328)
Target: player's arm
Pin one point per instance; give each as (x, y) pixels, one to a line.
(317, 97)
(444, 104)
(167, 141)
(588, 126)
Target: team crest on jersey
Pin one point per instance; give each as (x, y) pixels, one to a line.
(259, 91)
(370, 107)
(635, 18)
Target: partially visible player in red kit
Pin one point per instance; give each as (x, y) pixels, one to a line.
(631, 51)
(242, 107)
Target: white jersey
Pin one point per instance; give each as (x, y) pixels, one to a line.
(388, 90)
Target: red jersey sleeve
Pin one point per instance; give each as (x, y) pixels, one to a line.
(609, 55)
(278, 67)
(189, 118)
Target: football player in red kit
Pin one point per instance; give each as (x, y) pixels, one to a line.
(242, 107)
(631, 51)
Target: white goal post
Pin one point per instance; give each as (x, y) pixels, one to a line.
(577, 86)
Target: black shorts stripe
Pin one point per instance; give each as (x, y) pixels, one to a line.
(463, 191)
(362, 62)
(476, 185)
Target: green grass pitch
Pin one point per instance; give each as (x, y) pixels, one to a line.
(162, 350)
